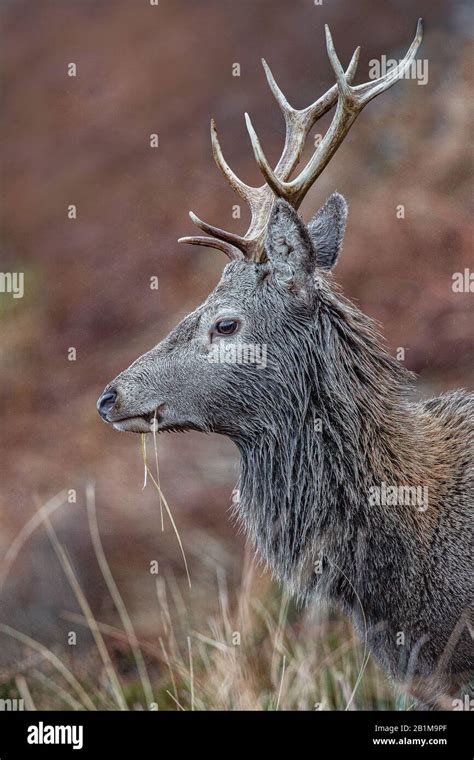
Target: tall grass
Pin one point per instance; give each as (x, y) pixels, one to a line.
(255, 651)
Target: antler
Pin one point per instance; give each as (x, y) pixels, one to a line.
(350, 102)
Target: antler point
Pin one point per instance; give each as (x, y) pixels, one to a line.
(248, 121)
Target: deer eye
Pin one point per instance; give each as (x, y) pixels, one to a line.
(226, 326)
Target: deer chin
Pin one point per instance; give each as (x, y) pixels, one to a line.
(134, 425)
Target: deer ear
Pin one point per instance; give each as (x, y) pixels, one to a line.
(326, 230)
(288, 241)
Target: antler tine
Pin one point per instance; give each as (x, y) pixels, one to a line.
(341, 81)
(365, 92)
(234, 254)
(277, 92)
(245, 191)
(229, 237)
(270, 176)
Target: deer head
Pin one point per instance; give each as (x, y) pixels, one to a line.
(234, 365)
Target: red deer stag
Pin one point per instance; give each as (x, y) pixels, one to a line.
(350, 489)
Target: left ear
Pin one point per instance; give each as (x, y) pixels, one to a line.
(326, 230)
(288, 241)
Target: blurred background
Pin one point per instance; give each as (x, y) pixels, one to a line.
(85, 140)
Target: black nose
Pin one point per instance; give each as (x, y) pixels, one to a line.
(106, 402)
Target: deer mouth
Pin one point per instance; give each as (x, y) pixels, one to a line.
(133, 425)
(141, 423)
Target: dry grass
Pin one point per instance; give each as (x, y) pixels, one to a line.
(254, 652)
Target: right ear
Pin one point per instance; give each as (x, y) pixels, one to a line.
(326, 230)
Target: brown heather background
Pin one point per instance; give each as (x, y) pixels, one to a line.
(85, 141)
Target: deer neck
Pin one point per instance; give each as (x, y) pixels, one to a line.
(304, 494)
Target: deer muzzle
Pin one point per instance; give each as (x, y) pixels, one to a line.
(113, 411)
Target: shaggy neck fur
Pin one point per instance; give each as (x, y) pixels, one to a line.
(343, 424)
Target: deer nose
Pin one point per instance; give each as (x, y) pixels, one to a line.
(106, 402)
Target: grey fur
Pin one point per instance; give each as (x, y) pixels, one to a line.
(330, 417)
